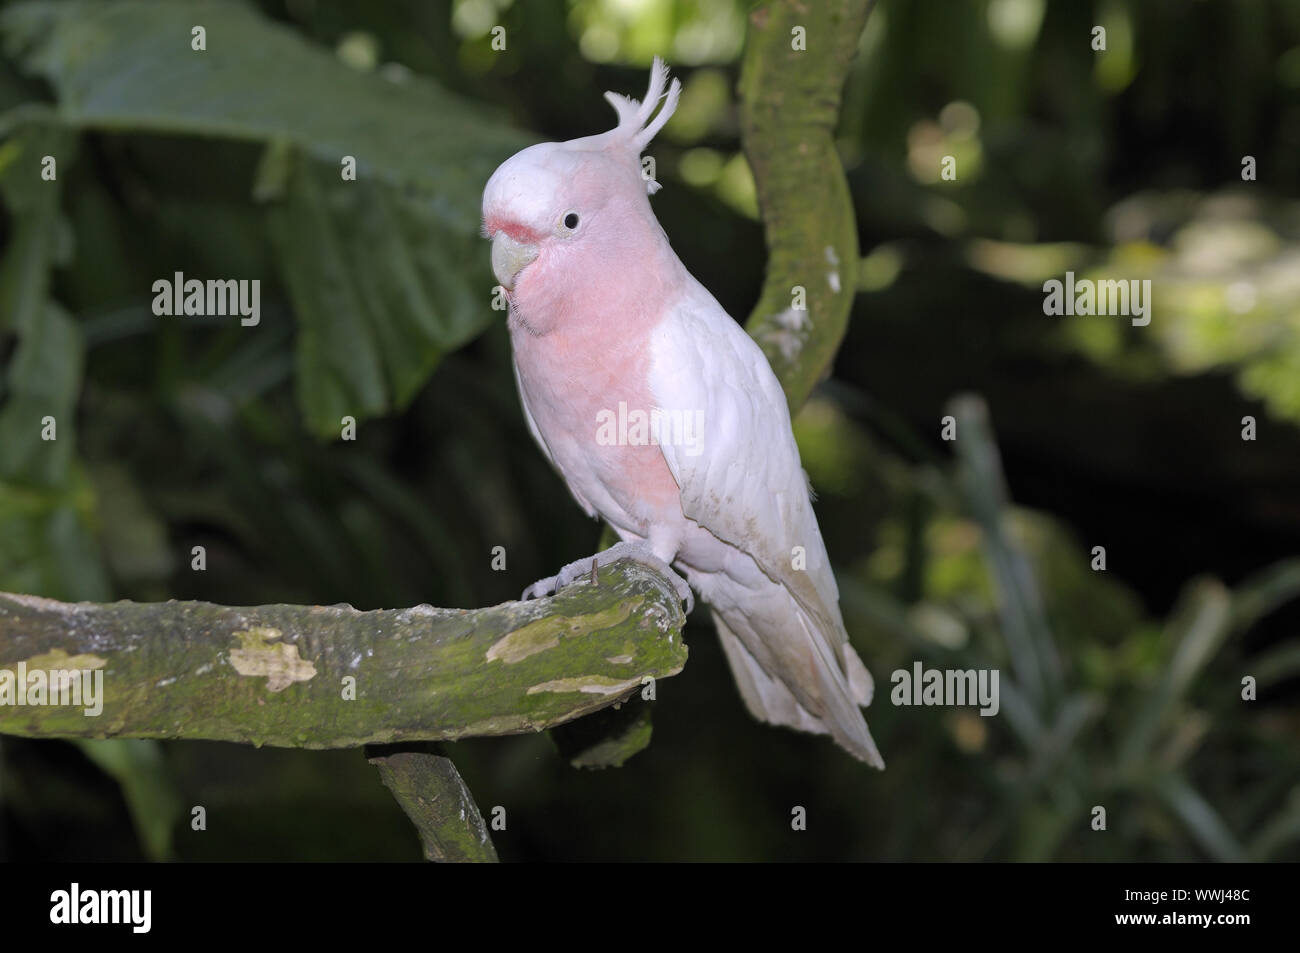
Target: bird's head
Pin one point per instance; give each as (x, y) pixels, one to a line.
(573, 208)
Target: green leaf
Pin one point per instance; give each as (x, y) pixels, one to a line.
(46, 505)
(386, 272)
(339, 369)
(1198, 627)
(1202, 820)
(1279, 831)
(1263, 592)
(380, 291)
(1020, 604)
(1277, 665)
(147, 787)
(46, 544)
(44, 379)
(33, 203)
(129, 67)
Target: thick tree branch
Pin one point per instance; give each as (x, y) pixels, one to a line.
(280, 675)
(790, 86)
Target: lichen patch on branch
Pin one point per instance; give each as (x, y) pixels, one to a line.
(590, 684)
(280, 664)
(546, 633)
(59, 659)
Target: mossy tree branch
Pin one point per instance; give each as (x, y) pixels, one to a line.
(431, 791)
(334, 677)
(797, 55)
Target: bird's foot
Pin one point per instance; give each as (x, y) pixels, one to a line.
(590, 567)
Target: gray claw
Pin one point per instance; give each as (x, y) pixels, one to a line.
(587, 568)
(540, 589)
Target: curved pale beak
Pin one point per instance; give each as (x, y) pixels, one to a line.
(510, 257)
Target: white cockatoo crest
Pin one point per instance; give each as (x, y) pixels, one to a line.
(635, 126)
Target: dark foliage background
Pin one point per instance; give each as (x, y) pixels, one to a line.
(183, 432)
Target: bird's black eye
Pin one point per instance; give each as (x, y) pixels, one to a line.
(571, 221)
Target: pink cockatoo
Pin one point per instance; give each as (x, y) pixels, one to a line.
(664, 418)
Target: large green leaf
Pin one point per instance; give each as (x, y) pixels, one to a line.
(380, 291)
(386, 272)
(129, 67)
(33, 204)
(43, 382)
(43, 378)
(46, 504)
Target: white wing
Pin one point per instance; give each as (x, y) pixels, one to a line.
(744, 483)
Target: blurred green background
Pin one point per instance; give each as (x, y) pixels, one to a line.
(1120, 688)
